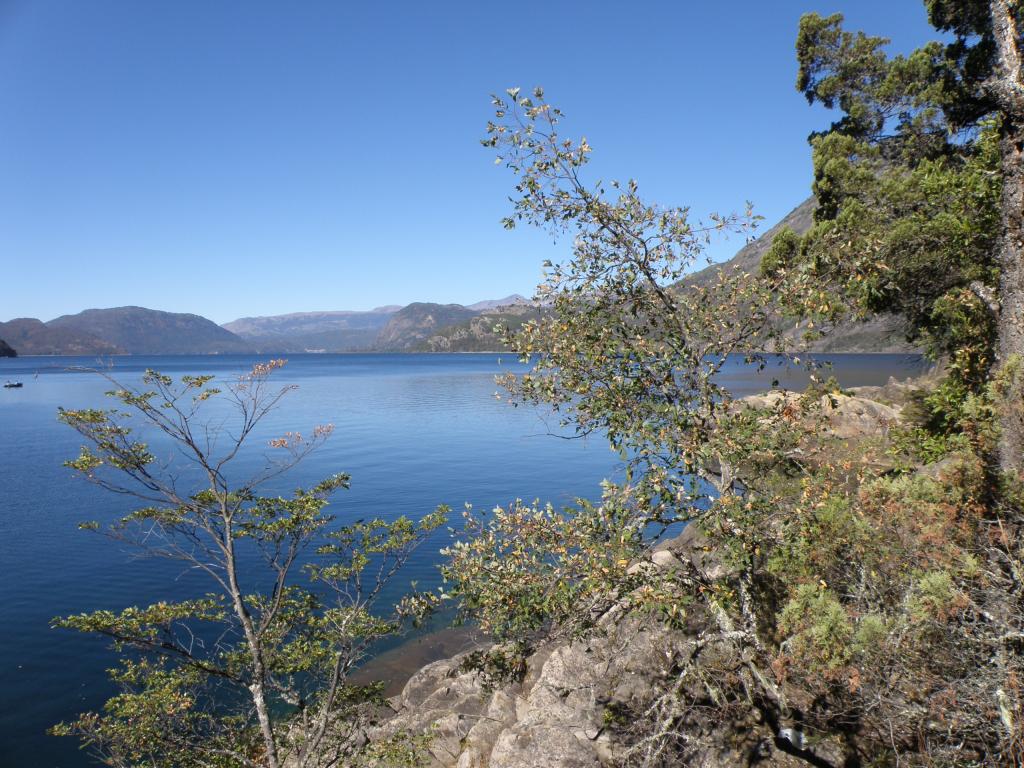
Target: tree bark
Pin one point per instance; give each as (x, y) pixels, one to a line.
(257, 688)
(1007, 86)
(1011, 292)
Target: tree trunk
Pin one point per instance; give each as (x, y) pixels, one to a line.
(1011, 293)
(257, 688)
(1007, 86)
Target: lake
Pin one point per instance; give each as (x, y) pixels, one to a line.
(414, 431)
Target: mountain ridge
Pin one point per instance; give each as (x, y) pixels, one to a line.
(329, 331)
(510, 300)
(142, 331)
(391, 328)
(416, 327)
(31, 336)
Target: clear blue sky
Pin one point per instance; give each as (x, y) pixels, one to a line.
(255, 158)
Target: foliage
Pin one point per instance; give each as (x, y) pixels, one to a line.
(498, 665)
(621, 351)
(872, 601)
(891, 237)
(256, 673)
(527, 566)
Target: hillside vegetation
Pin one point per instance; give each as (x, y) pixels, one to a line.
(34, 337)
(847, 589)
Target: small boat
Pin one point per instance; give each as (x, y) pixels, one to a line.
(13, 385)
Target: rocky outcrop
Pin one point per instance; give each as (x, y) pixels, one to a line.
(844, 415)
(567, 710)
(6, 350)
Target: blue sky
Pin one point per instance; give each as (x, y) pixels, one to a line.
(256, 158)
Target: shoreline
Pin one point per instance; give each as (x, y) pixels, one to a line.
(396, 666)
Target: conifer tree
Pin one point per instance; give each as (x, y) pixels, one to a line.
(921, 189)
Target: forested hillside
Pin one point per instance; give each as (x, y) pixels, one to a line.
(34, 337)
(140, 331)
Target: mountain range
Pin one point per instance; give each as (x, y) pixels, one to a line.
(416, 327)
(141, 331)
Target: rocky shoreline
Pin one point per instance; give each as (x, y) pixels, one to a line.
(566, 709)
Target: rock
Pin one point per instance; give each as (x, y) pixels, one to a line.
(937, 469)
(443, 700)
(541, 746)
(562, 714)
(850, 416)
(665, 560)
(479, 742)
(845, 416)
(693, 547)
(641, 566)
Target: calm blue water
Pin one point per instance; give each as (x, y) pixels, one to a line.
(414, 431)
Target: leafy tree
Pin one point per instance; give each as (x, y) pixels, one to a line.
(875, 604)
(622, 351)
(625, 352)
(257, 671)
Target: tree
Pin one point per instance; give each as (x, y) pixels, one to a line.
(626, 352)
(623, 351)
(255, 672)
(921, 188)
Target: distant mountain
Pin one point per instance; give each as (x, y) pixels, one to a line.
(313, 331)
(34, 337)
(508, 301)
(411, 326)
(418, 327)
(140, 331)
(478, 334)
(6, 350)
(388, 328)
